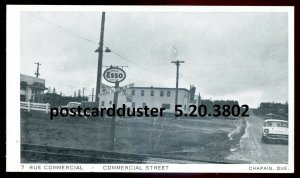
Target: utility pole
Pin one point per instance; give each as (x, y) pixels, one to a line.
(199, 100)
(100, 58)
(37, 69)
(92, 94)
(177, 63)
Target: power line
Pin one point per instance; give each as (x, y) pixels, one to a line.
(75, 33)
(70, 32)
(128, 60)
(83, 37)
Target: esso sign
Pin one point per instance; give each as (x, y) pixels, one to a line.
(114, 75)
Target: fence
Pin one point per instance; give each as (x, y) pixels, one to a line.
(35, 106)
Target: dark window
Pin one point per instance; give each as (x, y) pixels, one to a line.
(38, 85)
(102, 103)
(184, 107)
(23, 85)
(166, 106)
(142, 92)
(152, 92)
(144, 104)
(22, 97)
(168, 93)
(110, 102)
(132, 92)
(161, 93)
(133, 104)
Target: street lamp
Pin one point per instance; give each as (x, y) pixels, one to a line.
(107, 50)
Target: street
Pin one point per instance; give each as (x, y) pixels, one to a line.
(216, 140)
(253, 150)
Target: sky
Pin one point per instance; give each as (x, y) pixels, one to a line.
(240, 56)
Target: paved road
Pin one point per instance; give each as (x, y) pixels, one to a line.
(253, 150)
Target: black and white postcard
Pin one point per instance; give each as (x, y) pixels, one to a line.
(150, 89)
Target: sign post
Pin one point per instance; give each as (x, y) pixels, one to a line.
(114, 75)
(113, 121)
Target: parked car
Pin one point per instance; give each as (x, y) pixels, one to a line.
(69, 106)
(275, 130)
(72, 105)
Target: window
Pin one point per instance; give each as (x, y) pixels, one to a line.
(168, 93)
(23, 85)
(102, 103)
(110, 102)
(132, 92)
(166, 106)
(152, 92)
(184, 107)
(32, 91)
(144, 104)
(133, 104)
(142, 92)
(22, 97)
(39, 85)
(161, 93)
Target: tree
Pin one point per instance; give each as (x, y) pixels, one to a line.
(54, 91)
(49, 90)
(79, 94)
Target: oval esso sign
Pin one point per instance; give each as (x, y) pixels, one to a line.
(114, 75)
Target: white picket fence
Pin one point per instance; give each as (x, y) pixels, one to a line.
(35, 106)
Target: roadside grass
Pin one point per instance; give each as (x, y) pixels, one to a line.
(191, 139)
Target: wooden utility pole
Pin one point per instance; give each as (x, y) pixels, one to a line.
(92, 94)
(100, 58)
(37, 69)
(177, 76)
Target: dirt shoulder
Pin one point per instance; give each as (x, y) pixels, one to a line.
(191, 139)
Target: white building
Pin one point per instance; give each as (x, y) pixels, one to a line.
(149, 96)
(31, 88)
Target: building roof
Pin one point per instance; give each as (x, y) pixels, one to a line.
(159, 88)
(24, 77)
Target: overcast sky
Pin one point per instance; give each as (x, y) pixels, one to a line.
(242, 56)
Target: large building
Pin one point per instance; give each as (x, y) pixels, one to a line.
(149, 96)
(31, 88)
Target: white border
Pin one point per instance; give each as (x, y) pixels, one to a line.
(13, 78)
